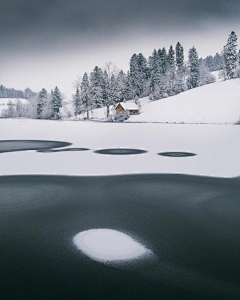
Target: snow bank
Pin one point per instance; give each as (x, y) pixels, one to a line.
(216, 103)
(108, 245)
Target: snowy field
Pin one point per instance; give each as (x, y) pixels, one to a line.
(217, 148)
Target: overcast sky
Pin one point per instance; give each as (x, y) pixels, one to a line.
(45, 43)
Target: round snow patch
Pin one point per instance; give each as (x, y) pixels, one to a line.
(108, 245)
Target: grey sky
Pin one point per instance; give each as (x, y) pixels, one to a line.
(45, 43)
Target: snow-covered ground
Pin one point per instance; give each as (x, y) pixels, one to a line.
(217, 148)
(217, 103)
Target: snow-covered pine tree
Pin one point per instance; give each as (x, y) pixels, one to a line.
(143, 73)
(77, 102)
(133, 73)
(56, 101)
(179, 85)
(171, 71)
(229, 57)
(121, 86)
(179, 58)
(163, 61)
(96, 89)
(193, 62)
(139, 73)
(129, 91)
(154, 66)
(85, 94)
(42, 99)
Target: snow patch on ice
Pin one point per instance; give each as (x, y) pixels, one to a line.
(107, 245)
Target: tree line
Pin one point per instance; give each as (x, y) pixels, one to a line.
(165, 73)
(12, 93)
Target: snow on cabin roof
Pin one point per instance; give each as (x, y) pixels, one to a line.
(129, 106)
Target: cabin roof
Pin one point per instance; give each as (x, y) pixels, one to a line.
(129, 106)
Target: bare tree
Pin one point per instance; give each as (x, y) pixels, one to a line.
(110, 85)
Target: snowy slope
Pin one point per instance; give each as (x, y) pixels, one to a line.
(217, 103)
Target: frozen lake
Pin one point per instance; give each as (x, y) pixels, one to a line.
(178, 214)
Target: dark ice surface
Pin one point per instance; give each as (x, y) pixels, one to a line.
(23, 145)
(176, 154)
(63, 150)
(120, 151)
(191, 223)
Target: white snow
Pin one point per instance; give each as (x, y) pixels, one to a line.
(217, 148)
(129, 105)
(107, 245)
(217, 103)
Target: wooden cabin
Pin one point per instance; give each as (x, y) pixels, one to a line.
(131, 107)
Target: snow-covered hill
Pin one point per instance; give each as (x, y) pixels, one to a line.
(216, 103)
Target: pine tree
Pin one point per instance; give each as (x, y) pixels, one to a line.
(129, 91)
(121, 86)
(179, 85)
(143, 73)
(77, 102)
(96, 90)
(42, 98)
(133, 73)
(171, 70)
(229, 57)
(154, 66)
(56, 101)
(85, 94)
(163, 61)
(139, 73)
(179, 57)
(193, 79)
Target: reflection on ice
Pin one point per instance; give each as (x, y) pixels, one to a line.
(108, 245)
